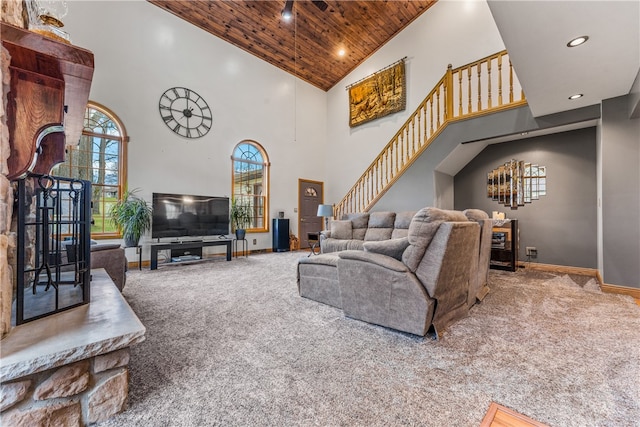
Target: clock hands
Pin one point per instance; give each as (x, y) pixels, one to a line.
(187, 112)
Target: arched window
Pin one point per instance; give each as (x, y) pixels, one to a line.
(250, 182)
(99, 157)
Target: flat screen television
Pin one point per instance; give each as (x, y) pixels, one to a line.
(182, 215)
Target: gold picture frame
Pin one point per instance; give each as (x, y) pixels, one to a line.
(378, 95)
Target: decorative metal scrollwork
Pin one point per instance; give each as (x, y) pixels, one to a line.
(54, 235)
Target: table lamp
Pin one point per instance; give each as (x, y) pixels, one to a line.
(326, 211)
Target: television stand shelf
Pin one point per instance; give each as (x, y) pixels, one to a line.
(155, 247)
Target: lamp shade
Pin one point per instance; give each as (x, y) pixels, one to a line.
(325, 210)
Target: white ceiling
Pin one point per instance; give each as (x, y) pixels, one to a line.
(536, 34)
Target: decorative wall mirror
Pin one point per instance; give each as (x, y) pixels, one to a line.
(516, 183)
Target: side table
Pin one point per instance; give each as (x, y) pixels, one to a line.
(314, 239)
(244, 246)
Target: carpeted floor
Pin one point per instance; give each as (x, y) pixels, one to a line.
(232, 344)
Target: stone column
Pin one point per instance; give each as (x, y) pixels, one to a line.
(7, 239)
(12, 12)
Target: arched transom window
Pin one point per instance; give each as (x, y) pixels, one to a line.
(250, 182)
(99, 157)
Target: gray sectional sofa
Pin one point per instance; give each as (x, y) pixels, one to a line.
(411, 271)
(354, 229)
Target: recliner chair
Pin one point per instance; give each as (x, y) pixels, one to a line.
(415, 284)
(109, 256)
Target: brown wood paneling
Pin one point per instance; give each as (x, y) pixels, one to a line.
(307, 46)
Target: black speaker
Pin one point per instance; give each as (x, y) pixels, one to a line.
(280, 230)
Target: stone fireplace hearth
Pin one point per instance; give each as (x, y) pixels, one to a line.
(70, 368)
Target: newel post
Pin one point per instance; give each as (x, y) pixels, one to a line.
(448, 93)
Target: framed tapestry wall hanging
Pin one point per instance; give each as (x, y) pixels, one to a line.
(378, 95)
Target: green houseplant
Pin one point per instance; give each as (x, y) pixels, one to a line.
(132, 215)
(240, 217)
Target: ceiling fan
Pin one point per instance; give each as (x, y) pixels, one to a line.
(287, 12)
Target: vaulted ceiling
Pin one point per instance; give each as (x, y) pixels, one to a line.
(308, 45)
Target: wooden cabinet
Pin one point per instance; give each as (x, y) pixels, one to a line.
(504, 245)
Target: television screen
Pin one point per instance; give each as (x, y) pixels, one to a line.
(181, 215)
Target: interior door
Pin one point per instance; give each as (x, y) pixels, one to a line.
(310, 195)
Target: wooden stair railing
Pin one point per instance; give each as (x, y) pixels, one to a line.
(472, 90)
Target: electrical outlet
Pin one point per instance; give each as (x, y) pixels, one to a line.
(531, 251)
(255, 241)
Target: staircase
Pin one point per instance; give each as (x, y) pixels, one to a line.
(482, 87)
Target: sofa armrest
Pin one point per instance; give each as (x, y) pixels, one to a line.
(104, 246)
(374, 258)
(113, 260)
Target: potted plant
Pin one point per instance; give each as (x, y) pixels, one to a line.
(132, 215)
(240, 217)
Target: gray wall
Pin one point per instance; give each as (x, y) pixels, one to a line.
(417, 187)
(582, 165)
(561, 225)
(620, 145)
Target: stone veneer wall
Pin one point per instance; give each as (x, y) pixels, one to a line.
(11, 12)
(78, 394)
(7, 239)
(75, 394)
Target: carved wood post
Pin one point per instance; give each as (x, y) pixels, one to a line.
(448, 92)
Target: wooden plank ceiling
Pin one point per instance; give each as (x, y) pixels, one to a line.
(308, 45)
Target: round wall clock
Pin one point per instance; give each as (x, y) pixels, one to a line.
(185, 112)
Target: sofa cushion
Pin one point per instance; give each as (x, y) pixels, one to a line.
(393, 247)
(401, 224)
(380, 226)
(359, 224)
(382, 219)
(337, 245)
(341, 229)
(423, 227)
(376, 234)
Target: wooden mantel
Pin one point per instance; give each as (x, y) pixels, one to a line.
(50, 84)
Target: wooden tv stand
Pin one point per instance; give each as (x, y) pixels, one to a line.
(155, 247)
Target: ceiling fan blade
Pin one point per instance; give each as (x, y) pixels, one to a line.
(320, 4)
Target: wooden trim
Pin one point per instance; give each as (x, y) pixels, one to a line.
(624, 290)
(595, 273)
(561, 269)
(501, 416)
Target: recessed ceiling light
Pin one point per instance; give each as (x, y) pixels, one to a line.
(342, 52)
(577, 41)
(576, 96)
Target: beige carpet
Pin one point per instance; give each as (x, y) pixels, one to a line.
(232, 344)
